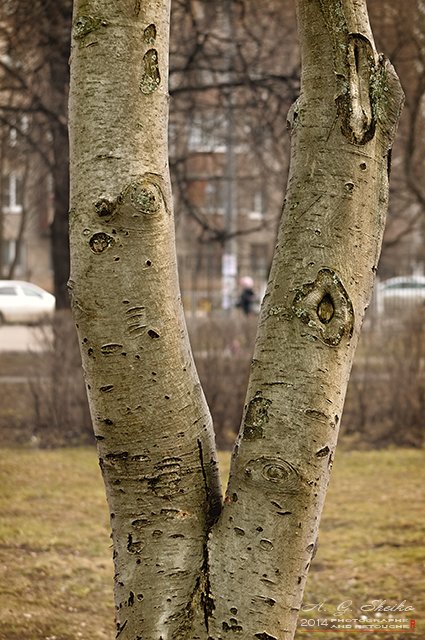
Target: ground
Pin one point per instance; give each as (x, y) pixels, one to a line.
(55, 552)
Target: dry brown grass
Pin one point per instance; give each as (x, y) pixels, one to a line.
(55, 557)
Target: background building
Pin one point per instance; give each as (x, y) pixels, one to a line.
(25, 212)
(234, 72)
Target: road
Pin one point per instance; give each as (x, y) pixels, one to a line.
(21, 338)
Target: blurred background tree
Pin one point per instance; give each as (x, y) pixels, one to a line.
(231, 85)
(232, 82)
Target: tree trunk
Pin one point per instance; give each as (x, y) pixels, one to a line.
(60, 226)
(320, 284)
(58, 18)
(152, 426)
(3, 134)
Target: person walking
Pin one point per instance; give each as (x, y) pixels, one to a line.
(247, 296)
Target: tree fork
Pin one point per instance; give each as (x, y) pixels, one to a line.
(183, 570)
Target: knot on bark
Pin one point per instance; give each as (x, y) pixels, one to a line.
(151, 78)
(324, 305)
(256, 417)
(99, 242)
(144, 196)
(83, 25)
(354, 102)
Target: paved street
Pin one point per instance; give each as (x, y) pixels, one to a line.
(21, 338)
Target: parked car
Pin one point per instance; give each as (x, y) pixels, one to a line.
(24, 302)
(401, 293)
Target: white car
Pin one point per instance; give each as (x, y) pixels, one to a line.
(401, 293)
(24, 302)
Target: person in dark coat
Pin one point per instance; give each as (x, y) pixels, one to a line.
(247, 296)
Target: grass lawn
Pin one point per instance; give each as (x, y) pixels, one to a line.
(55, 556)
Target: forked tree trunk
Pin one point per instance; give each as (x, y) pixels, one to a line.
(181, 573)
(342, 128)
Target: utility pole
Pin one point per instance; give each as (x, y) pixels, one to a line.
(229, 264)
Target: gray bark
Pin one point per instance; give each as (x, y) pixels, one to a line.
(180, 572)
(150, 418)
(320, 285)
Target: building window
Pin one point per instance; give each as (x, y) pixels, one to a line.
(13, 136)
(257, 209)
(8, 254)
(207, 132)
(215, 196)
(12, 197)
(260, 260)
(252, 198)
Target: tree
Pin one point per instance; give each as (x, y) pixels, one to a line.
(229, 150)
(400, 31)
(34, 84)
(186, 565)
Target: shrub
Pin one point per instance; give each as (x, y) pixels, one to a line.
(385, 400)
(386, 395)
(60, 409)
(223, 349)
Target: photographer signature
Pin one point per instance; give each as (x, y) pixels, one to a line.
(344, 607)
